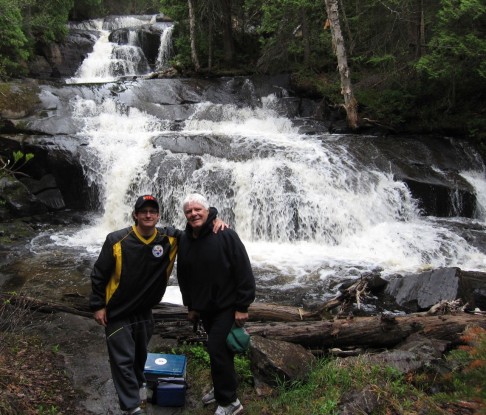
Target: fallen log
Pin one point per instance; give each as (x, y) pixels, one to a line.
(162, 312)
(296, 326)
(257, 312)
(375, 332)
(368, 332)
(24, 302)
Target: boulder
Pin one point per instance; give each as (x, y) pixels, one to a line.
(63, 59)
(276, 361)
(17, 200)
(419, 292)
(46, 190)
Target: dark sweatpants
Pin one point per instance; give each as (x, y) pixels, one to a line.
(217, 326)
(127, 341)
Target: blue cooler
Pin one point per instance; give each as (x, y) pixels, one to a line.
(165, 374)
(170, 392)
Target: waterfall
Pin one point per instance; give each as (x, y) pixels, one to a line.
(305, 206)
(165, 48)
(122, 56)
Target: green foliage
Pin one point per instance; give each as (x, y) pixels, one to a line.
(458, 46)
(48, 410)
(469, 365)
(388, 106)
(45, 20)
(13, 42)
(198, 357)
(24, 24)
(290, 33)
(13, 166)
(329, 383)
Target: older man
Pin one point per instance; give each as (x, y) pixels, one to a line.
(217, 286)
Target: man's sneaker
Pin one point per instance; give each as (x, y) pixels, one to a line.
(208, 398)
(232, 409)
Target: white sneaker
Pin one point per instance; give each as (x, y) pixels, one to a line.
(232, 409)
(208, 398)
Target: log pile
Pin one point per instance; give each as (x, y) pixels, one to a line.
(295, 325)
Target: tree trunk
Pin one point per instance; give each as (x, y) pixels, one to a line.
(210, 45)
(368, 332)
(350, 103)
(305, 36)
(228, 44)
(192, 34)
(422, 29)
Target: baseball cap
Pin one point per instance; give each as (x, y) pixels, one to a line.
(142, 200)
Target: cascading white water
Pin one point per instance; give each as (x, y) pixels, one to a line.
(108, 61)
(119, 148)
(165, 48)
(302, 204)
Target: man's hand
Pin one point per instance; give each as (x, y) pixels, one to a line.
(193, 316)
(240, 318)
(219, 225)
(100, 317)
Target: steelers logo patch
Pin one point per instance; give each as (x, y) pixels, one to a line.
(157, 251)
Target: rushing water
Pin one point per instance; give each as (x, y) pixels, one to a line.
(111, 60)
(306, 206)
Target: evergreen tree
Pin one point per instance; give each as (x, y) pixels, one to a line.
(13, 42)
(458, 48)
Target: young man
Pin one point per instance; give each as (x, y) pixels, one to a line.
(218, 286)
(128, 279)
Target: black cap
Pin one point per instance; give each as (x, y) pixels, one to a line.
(142, 200)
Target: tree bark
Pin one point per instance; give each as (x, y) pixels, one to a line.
(350, 103)
(228, 44)
(192, 34)
(306, 36)
(368, 332)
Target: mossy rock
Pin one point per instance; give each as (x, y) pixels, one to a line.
(12, 233)
(18, 100)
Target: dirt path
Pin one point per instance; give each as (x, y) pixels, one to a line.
(81, 341)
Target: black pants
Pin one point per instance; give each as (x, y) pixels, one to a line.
(217, 326)
(127, 341)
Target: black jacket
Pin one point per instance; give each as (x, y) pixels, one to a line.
(214, 271)
(131, 272)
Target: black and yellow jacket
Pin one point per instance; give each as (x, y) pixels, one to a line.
(131, 272)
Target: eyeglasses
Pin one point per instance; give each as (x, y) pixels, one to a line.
(149, 212)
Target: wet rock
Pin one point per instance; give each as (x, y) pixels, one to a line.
(17, 200)
(359, 402)
(46, 190)
(418, 292)
(273, 361)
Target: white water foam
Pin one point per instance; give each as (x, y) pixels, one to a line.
(302, 205)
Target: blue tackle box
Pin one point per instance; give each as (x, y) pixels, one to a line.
(166, 378)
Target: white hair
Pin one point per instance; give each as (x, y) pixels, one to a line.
(195, 198)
